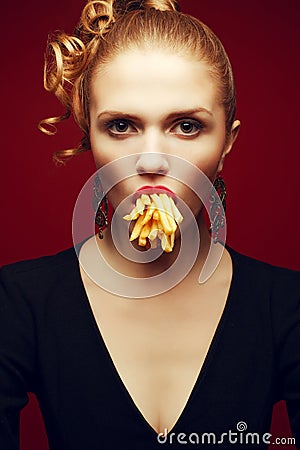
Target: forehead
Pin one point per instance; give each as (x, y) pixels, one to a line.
(153, 80)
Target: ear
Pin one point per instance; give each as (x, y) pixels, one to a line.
(229, 143)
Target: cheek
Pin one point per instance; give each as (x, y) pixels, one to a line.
(208, 163)
(100, 147)
(102, 156)
(209, 166)
(114, 197)
(99, 161)
(211, 152)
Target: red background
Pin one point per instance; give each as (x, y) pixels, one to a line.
(262, 38)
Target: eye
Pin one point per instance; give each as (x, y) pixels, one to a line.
(119, 126)
(187, 127)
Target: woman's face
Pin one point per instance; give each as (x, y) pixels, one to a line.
(154, 103)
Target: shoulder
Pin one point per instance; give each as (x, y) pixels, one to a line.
(253, 269)
(39, 265)
(274, 290)
(36, 276)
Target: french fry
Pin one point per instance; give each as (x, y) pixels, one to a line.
(149, 212)
(162, 214)
(168, 208)
(140, 206)
(172, 237)
(157, 218)
(154, 243)
(137, 228)
(146, 199)
(160, 226)
(154, 230)
(166, 243)
(142, 241)
(133, 215)
(145, 230)
(163, 240)
(175, 212)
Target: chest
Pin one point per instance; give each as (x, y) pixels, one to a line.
(158, 347)
(125, 371)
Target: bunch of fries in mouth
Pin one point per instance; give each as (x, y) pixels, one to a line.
(157, 217)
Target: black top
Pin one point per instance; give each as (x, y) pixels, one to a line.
(50, 345)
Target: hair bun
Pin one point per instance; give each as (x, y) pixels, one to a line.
(123, 6)
(163, 5)
(96, 18)
(109, 27)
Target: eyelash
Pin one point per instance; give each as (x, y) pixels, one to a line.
(196, 124)
(112, 123)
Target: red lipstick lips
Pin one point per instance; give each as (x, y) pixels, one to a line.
(158, 189)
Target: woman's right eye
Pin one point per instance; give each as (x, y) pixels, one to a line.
(117, 127)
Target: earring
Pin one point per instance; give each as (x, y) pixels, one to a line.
(100, 205)
(217, 208)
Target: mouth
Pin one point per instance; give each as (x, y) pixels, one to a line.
(159, 189)
(156, 217)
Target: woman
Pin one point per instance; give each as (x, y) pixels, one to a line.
(155, 87)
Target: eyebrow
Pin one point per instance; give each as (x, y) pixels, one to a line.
(182, 112)
(188, 112)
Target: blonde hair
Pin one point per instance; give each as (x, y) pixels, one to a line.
(108, 27)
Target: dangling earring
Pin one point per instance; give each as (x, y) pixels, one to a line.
(216, 212)
(100, 205)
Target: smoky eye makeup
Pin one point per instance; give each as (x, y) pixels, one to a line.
(187, 127)
(120, 125)
(117, 127)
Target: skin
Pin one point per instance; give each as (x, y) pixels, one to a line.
(155, 96)
(144, 102)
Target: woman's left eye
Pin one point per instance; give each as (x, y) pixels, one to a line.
(187, 128)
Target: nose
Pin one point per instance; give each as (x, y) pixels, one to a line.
(152, 162)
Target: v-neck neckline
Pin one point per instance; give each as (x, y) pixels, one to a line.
(202, 374)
